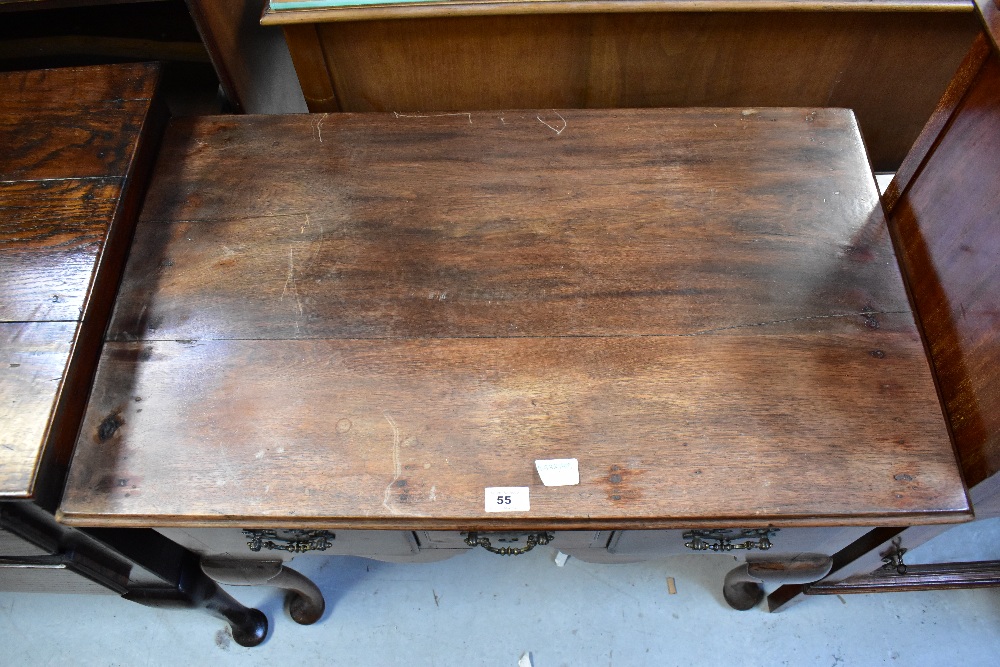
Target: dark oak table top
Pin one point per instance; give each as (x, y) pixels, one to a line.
(69, 146)
(367, 320)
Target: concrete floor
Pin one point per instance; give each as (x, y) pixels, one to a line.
(481, 609)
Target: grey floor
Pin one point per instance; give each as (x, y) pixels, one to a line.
(481, 609)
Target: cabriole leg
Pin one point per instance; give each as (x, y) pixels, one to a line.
(304, 602)
(744, 585)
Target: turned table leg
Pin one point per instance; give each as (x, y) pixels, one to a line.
(744, 585)
(305, 601)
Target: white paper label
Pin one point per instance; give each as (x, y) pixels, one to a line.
(558, 472)
(507, 499)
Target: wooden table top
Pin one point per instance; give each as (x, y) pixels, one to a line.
(69, 140)
(366, 320)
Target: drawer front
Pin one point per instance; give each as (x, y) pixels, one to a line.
(642, 544)
(563, 540)
(601, 546)
(287, 544)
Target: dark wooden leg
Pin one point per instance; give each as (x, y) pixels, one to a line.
(139, 564)
(248, 626)
(305, 601)
(744, 586)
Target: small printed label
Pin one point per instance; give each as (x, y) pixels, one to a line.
(507, 499)
(558, 472)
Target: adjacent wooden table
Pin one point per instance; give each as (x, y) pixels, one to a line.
(76, 147)
(364, 322)
(72, 143)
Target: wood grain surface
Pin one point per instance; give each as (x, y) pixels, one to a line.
(70, 184)
(890, 67)
(49, 251)
(35, 355)
(104, 88)
(364, 320)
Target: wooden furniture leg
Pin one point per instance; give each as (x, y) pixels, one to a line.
(248, 625)
(305, 600)
(744, 585)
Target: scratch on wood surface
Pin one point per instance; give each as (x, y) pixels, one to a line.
(433, 495)
(432, 115)
(397, 469)
(290, 282)
(319, 127)
(865, 314)
(560, 130)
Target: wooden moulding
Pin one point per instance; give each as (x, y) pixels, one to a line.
(413, 307)
(939, 576)
(492, 8)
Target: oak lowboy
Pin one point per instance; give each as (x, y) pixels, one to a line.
(338, 333)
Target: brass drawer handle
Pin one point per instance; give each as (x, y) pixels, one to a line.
(533, 540)
(726, 539)
(293, 541)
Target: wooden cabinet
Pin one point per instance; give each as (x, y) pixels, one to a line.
(887, 60)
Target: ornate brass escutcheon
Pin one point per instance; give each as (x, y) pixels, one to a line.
(530, 542)
(727, 539)
(293, 541)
